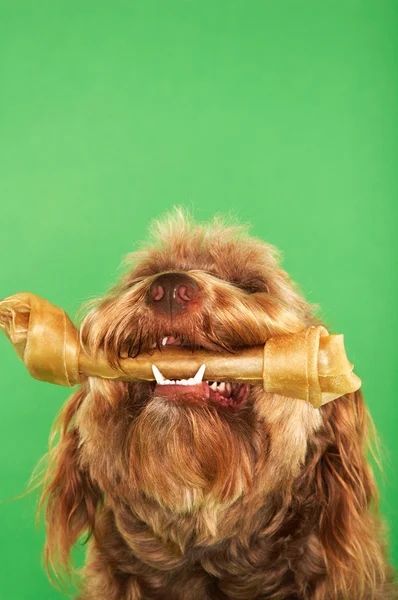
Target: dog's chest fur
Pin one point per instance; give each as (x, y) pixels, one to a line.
(227, 568)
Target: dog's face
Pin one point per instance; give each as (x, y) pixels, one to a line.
(193, 442)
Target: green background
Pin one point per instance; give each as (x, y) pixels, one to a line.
(283, 113)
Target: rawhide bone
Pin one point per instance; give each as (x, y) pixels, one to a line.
(309, 365)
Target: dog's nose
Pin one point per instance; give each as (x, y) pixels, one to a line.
(173, 293)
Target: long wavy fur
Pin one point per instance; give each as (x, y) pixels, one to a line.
(276, 501)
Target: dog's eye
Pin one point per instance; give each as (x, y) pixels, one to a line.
(252, 287)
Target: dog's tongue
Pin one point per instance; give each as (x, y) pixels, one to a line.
(199, 390)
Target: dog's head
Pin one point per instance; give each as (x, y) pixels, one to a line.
(204, 286)
(201, 286)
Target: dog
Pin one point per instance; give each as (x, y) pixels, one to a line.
(234, 494)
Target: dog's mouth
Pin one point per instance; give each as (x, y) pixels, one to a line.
(194, 389)
(171, 340)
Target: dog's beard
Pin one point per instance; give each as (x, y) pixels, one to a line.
(186, 456)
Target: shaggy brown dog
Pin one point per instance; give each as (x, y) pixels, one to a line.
(245, 495)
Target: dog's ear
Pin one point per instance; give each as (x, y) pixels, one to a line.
(344, 487)
(70, 497)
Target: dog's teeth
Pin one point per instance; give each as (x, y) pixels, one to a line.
(158, 376)
(161, 380)
(221, 387)
(164, 341)
(228, 387)
(199, 375)
(214, 386)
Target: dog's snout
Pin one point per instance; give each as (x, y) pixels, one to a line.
(173, 293)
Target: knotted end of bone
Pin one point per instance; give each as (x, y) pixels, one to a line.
(43, 336)
(310, 365)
